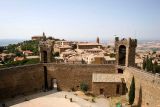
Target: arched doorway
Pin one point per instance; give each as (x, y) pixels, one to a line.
(53, 83)
(45, 56)
(101, 91)
(122, 55)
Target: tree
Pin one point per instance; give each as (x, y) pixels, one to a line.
(74, 46)
(11, 48)
(20, 54)
(149, 64)
(30, 45)
(84, 87)
(132, 92)
(56, 54)
(155, 64)
(144, 64)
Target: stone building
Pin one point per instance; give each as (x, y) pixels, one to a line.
(125, 51)
(39, 37)
(88, 45)
(45, 50)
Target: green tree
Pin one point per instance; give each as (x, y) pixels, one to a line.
(74, 46)
(149, 65)
(84, 87)
(56, 54)
(11, 48)
(154, 67)
(144, 64)
(132, 92)
(20, 54)
(30, 45)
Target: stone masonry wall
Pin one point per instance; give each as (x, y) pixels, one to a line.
(70, 76)
(29, 79)
(147, 87)
(109, 88)
(20, 80)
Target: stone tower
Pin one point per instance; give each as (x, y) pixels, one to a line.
(97, 40)
(44, 36)
(45, 50)
(125, 51)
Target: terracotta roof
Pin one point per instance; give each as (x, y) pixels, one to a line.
(18, 58)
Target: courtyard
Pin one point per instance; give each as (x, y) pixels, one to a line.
(58, 99)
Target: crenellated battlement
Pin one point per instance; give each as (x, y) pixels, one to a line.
(124, 41)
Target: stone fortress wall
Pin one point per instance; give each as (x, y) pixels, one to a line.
(29, 79)
(147, 86)
(70, 76)
(20, 80)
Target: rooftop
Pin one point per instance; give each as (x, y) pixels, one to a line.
(101, 77)
(89, 43)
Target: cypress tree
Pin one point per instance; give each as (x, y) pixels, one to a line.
(147, 63)
(144, 64)
(132, 92)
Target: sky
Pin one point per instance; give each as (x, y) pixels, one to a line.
(80, 19)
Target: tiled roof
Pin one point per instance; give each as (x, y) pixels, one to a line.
(101, 77)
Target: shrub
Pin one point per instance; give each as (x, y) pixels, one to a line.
(93, 100)
(84, 87)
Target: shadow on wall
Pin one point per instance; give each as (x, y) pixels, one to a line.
(140, 97)
(139, 103)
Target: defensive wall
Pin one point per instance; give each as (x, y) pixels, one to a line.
(20, 80)
(70, 76)
(23, 80)
(147, 87)
(28, 79)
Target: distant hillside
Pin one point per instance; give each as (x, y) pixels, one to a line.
(5, 42)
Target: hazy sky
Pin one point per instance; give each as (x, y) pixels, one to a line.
(80, 19)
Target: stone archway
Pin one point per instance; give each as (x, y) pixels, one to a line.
(122, 55)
